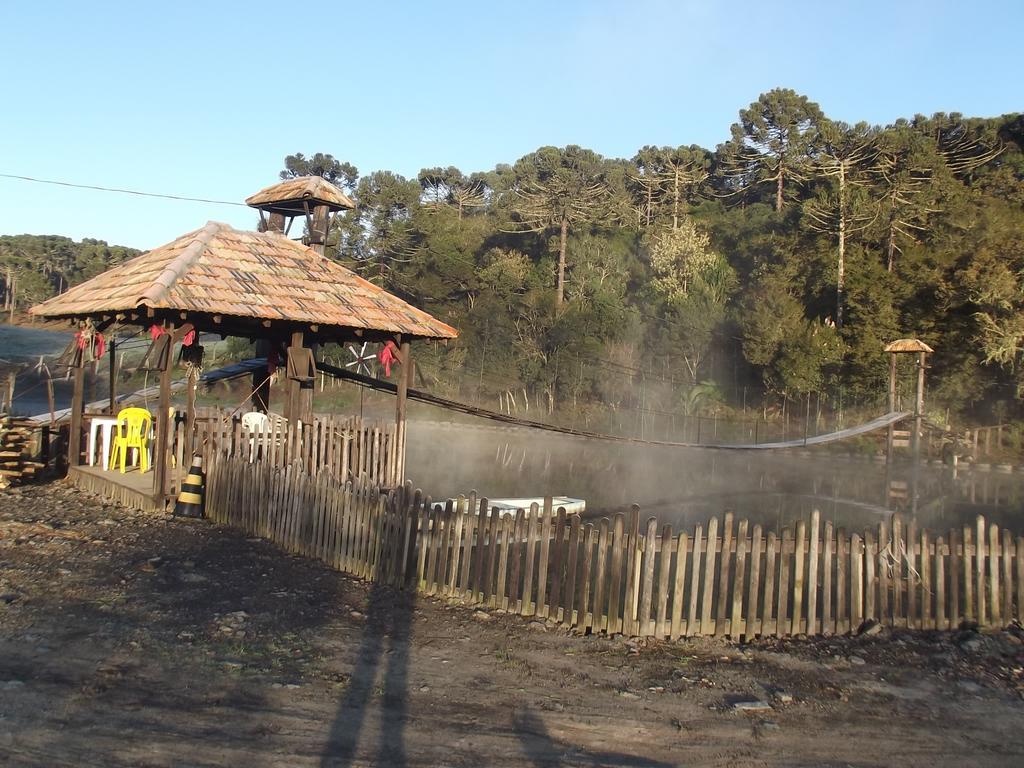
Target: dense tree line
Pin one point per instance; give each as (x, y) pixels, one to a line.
(35, 267)
(769, 270)
(774, 267)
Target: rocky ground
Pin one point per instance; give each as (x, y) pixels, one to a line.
(137, 640)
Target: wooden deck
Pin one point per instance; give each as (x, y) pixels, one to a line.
(132, 489)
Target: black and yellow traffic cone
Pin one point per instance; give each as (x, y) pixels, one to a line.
(191, 498)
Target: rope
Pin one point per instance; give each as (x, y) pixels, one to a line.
(471, 410)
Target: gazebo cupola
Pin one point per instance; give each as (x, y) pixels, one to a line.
(313, 197)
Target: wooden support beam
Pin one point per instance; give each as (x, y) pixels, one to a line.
(77, 401)
(163, 426)
(190, 411)
(918, 407)
(299, 403)
(112, 373)
(404, 379)
(892, 407)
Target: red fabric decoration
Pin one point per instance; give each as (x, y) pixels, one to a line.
(388, 357)
(99, 344)
(189, 339)
(155, 332)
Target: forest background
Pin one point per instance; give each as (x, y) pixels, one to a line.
(765, 273)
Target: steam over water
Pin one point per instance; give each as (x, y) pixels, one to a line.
(684, 486)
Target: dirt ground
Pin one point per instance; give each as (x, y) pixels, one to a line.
(136, 640)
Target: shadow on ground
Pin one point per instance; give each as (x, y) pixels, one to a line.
(386, 642)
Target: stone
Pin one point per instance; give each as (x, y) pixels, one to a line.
(783, 697)
(972, 644)
(857, 661)
(482, 616)
(537, 626)
(751, 705)
(629, 695)
(970, 686)
(869, 628)
(10, 685)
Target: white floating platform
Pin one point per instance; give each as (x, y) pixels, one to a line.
(571, 506)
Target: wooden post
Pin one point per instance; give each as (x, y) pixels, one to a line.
(190, 412)
(404, 379)
(77, 400)
(299, 403)
(8, 401)
(260, 399)
(892, 407)
(113, 376)
(163, 425)
(918, 407)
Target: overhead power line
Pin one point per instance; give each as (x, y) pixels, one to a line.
(121, 191)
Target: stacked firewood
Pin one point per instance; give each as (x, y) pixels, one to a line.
(17, 459)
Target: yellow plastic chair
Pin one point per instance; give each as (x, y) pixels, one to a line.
(132, 431)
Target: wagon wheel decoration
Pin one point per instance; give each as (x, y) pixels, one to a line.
(362, 361)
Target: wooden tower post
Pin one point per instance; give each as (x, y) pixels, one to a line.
(892, 406)
(919, 406)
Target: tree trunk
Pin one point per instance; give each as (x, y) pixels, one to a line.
(562, 240)
(778, 191)
(675, 201)
(841, 266)
(891, 247)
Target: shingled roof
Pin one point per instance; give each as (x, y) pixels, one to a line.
(218, 270)
(907, 345)
(288, 196)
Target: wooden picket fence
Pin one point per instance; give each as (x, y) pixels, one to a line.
(616, 576)
(352, 527)
(344, 448)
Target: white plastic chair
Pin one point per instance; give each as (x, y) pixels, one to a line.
(254, 423)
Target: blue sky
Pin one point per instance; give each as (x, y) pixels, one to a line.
(205, 99)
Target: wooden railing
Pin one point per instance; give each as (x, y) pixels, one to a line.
(352, 527)
(616, 576)
(342, 448)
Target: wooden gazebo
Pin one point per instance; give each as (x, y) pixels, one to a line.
(257, 285)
